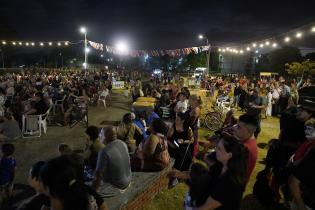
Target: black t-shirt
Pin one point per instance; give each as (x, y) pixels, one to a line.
(41, 107)
(227, 192)
(36, 202)
(257, 101)
(305, 172)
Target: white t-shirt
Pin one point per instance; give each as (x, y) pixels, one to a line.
(183, 106)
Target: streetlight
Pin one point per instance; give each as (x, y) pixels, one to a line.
(85, 64)
(122, 48)
(201, 36)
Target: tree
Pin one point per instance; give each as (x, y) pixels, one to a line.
(297, 69)
(310, 56)
(278, 58)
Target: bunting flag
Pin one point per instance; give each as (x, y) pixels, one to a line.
(96, 45)
(154, 53)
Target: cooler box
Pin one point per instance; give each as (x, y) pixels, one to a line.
(142, 106)
(146, 99)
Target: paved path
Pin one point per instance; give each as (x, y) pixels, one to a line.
(28, 151)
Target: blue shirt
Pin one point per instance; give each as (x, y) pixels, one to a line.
(152, 117)
(7, 166)
(141, 126)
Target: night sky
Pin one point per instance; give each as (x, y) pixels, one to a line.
(155, 24)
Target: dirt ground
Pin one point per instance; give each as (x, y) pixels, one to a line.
(30, 150)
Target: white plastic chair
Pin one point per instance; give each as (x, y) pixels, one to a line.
(102, 99)
(58, 103)
(32, 124)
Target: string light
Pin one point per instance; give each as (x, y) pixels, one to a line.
(241, 51)
(66, 43)
(298, 35)
(274, 45)
(313, 29)
(14, 43)
(33, 44)
(248, 48)
(254, 45)
(220, 50)
(59, 44)
(287, 39)
(4, 42)
(267, 43)
(223, 50)
(261, 45)
(49, 43)
(27, 44)
(41, 44)
(20, 43)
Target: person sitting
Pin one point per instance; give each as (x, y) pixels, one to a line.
(139, 121)
(180, 141)
(8, 168)
(182, 103)
(92, 147)
(62, 180)
(244, 131)
(154, 155)
(37, 201)
(113, 171)
(40, 105)
(151, 115)
(126, 131)
(9, 129)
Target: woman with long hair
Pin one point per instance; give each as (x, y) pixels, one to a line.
(180, 141)
(226, 189)
(62, 179)
(193, 114)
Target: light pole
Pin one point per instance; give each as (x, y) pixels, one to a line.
(209, 50)
(2, 58)
(85, 64)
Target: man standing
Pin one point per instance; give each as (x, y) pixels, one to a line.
(255, 106)
(113, 171)
(244, 132)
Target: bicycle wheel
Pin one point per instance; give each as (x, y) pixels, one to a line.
(213, 121)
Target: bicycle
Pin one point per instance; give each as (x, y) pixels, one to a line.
(213, 120)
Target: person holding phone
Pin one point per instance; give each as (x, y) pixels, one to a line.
(180, 140)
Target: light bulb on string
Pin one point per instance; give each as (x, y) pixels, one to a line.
(41, 44)
(248, 48)
(33, 44)
(241, 51)
(27, 44)
(267, 43)
(287, 39)
(4, 42)
(254, 45)
(274, 45)
(20, 43)
(220, 50)
(313, 29)
(223, 50)
(261, 45)
(66, 43)
(14, 43)
(50, 43)
(298, 35)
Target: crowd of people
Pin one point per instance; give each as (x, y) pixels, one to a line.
(146, 140)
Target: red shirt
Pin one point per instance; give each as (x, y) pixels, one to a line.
(251, 145)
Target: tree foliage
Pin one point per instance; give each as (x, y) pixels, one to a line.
(296, 68)
(278, 58)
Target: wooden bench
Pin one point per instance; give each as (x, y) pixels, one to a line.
(144, 187)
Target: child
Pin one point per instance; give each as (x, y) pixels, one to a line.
(7, 170)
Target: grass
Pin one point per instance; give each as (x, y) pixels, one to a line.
(173, 199)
